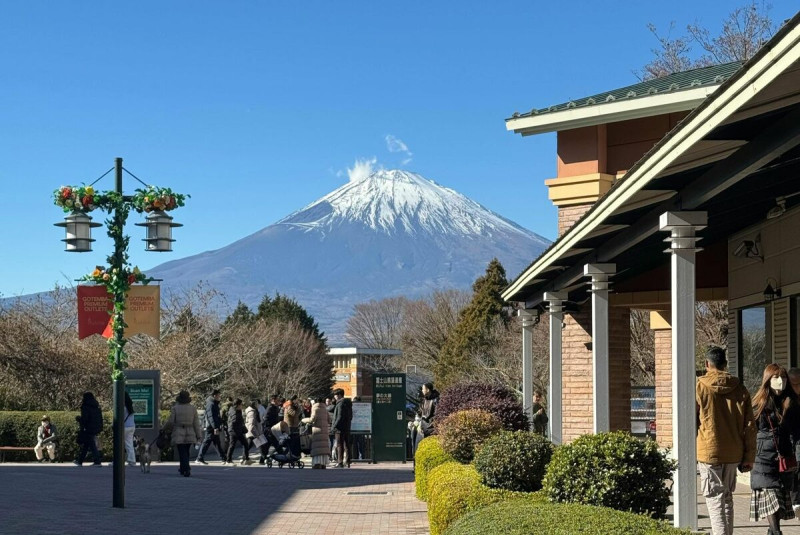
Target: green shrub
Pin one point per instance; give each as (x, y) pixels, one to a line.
(429, 455)
(523, 517)
(612, 470)
(18, 428)
(455, 489)
(514, 460)
(462, 433)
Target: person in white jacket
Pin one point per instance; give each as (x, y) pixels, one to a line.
(45, 440)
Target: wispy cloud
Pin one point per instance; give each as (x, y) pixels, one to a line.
(362, 168)
(394, 144)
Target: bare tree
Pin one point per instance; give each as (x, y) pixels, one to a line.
(378, 324)
(643, 351)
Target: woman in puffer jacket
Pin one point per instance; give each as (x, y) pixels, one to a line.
(777, 415)
(184, 425)
(252, 421)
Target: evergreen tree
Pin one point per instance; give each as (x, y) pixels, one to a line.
(285, 309)
(241, 315)
(471, 333)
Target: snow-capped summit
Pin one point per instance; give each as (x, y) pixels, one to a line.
(393, 201)
(392, 233)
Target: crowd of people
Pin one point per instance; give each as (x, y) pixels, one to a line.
(759, 435)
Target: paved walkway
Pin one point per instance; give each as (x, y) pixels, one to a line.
(65, 499)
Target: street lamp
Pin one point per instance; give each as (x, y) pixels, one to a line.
(118, 277)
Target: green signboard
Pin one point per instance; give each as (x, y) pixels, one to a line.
(142, 393)
(388, 417)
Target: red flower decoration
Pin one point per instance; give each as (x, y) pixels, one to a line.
(131, 278)
(66, 193)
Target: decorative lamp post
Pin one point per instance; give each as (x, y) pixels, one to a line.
(159, 231)
(78, 227)
(118, 276)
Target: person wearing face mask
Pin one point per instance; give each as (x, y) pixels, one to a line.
(778, 420)
(726, 438)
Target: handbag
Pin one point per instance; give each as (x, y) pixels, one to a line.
(260, 440)
(785, 464)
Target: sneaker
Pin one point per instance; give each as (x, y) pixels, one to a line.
(99, 464)
(224, 463)
(340, 465)
(76, 463)
(246, 461)
(200, 461)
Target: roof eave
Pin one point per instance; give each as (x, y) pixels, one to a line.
(610, 112)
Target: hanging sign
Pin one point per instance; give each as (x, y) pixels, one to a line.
(142, 312)
(94, 309)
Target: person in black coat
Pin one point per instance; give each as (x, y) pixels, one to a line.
(777, 416)
(213, 424)
(430, 398)
(273, 412)
(342, 417)
(330, 406)
(238, 432)
(90, 424)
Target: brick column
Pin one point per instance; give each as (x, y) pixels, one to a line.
(619, 363)
(577, 374)
(568, 215)
(660, 324)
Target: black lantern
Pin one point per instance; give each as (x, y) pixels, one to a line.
(770, 293)
(159, 231)
(78, 227)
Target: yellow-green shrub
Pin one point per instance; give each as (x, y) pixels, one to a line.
(454, 489)
(463, 432)
(429, 455)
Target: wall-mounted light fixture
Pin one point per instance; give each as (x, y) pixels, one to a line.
(771, 292)
(749, 249)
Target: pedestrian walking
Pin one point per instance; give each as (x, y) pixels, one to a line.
(342, 418)
(273, 412)
(776, 413)
(90, 424)
(130, 429)
(237, 431)
(726, 439)
(255, 429)
(212, 425)
(320, 428)
(330, 406)
(184, 425)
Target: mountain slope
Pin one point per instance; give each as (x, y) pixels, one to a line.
(389, 234)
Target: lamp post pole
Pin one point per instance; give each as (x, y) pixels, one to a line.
(118, 260)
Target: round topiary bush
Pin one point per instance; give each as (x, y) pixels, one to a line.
(613, 470)
(520, 516)
(514, 460)
(429, 455)
(499, 400)
(462, 434)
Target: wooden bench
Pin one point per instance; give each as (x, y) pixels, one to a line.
(4, 449)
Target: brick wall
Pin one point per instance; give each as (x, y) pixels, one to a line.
(577, 371)
(568, 215)
(619, 363)
(663, 361)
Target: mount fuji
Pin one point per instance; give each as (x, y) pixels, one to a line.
(392, 233)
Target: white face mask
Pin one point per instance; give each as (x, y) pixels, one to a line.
(777, 384)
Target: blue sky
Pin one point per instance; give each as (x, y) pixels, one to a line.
(258, 108)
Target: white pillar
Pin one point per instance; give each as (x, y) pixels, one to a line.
(683, 227)
(600, 374)
(554, 399)
(528, 321)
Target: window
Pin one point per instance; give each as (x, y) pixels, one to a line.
(755, 343)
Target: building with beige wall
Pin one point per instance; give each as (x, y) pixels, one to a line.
(353, 367)
(669, 192)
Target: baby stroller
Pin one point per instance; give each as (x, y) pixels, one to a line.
(279, 439)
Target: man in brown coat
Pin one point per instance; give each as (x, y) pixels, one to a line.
(726, 438)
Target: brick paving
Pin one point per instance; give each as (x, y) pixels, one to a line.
(65, 499)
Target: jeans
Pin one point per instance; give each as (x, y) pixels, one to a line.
(343, 447)
(718, 482)
(90, 442)
(183, 455)
(208, 439)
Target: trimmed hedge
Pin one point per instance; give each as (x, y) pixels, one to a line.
(498, 400)
(18, 428)
(455, 489)
(462, 434)
(613, 470)
(514, 460)
(524, 516)
(429, 455)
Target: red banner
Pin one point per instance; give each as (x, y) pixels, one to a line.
(94, 308)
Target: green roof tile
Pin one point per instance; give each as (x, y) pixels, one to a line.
(679, 81)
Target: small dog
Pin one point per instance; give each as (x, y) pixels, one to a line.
(143, 452)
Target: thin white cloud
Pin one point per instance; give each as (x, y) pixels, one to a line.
(394, 144)
(362, 168)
